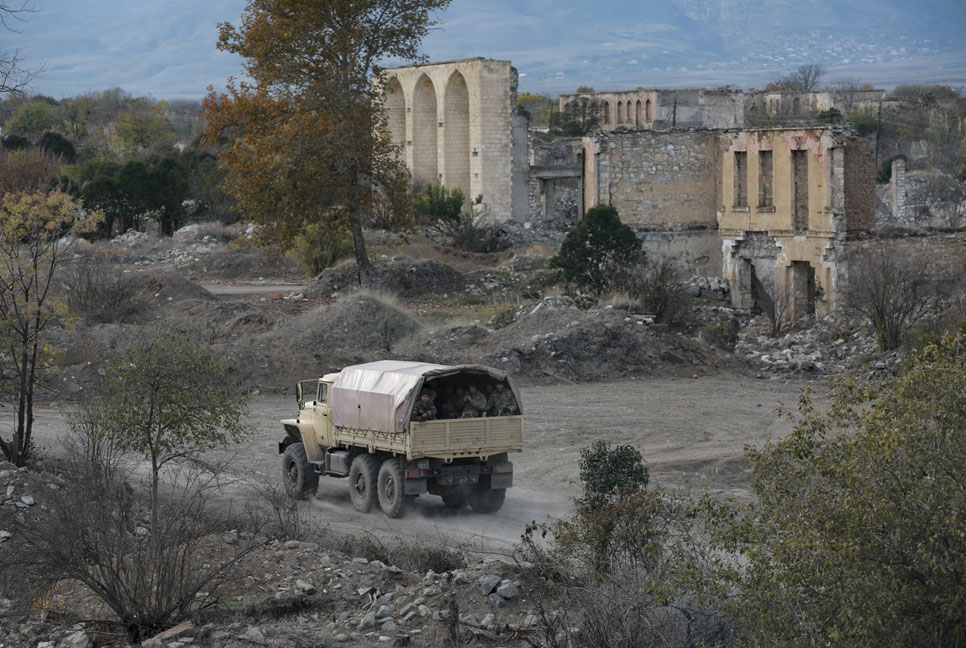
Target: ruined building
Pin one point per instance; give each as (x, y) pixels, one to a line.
(770, 210)
(662, 109)
(456, 123)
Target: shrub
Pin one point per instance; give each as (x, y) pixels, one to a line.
(596, 249)
(656, 286)
(320, 247)
(856, 535)
(96, 289)
(464, 225)
(722, 333)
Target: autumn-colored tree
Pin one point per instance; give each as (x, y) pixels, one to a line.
(307, 141)
(36, 234)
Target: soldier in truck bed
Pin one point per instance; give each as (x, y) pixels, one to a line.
(502, 402)
(474, 403)
(424, 410)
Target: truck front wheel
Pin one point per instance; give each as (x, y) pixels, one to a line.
(391, 498)
(486, 500)
(299, 478)
(363, 474)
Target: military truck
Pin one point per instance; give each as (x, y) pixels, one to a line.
(357, 423)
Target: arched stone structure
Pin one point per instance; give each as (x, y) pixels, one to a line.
(395, 104)
(425, 166)
(637, 114)
(456, 134)
(462, 130)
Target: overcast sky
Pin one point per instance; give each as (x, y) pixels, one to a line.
(166, 48)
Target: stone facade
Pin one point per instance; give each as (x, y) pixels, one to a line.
(454, 122)
(791, 249)
(787, 107)
(661, 109)
(769, 210)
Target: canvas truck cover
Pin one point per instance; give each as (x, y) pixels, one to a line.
(380, 395)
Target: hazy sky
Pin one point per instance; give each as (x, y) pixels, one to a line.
(166, 48)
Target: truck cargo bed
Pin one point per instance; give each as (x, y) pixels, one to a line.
(444, 438)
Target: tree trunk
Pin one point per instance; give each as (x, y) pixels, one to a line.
(363, 265)
(155, 530)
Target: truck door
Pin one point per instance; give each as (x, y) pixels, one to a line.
(322, 416)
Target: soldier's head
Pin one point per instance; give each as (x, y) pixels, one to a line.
(472, 389)
(424, 396)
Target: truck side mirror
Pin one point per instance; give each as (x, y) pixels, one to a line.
(298, 395)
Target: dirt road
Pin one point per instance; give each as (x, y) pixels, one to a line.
(690, 431)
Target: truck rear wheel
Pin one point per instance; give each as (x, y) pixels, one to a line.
(391, 497)
(486, 500)
(363, 475)
(299, 478)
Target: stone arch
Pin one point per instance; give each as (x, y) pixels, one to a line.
(620, 112)
(647, 111)
(637, 114)
(425, 133)
(606, 112)
(796, 106)
(456, 128)
(396, 114)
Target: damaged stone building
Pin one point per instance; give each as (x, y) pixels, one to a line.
(456, 124)
(769, 210)
(660, 109)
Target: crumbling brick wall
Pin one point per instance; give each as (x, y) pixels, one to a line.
(859, 179)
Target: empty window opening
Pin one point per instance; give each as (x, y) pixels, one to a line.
(620, 112)
(800, 190)
(803, 290)
(741, 179)
(647, 111)
(606, 112)
(765, 169)
(796, 106)
(637, 113)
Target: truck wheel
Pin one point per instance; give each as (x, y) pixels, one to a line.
(486, 500)
(455, 499)
(391, 498)
(363, 475)
(299, 478)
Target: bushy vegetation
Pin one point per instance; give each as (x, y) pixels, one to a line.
(596, 251)
(465, 226)
(657, 287)
(854, 536)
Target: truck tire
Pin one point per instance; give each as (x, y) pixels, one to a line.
(454, 499)
(486, 500)
(391, 484)
(363, 475)
(297, 475)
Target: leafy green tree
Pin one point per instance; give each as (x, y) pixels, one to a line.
(168, 398)
(436, 204)
(143, 126)
(596, 249)
(32, 118)
(610, 473)
(16, 143)
(856, 537)
(307, 141)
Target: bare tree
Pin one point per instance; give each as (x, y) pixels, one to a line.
(14, 78)
(891, 291)
(805, 79)
(775, 302)
(845, 95)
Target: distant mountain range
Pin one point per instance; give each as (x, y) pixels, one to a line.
(167, 47)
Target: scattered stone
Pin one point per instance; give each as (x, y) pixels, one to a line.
(304, 587)
(255, 635)
(6, 465)
(384, 612)
(5, 535)
(230, 537)
(340, 638)
(440, 615)
(78, 639)
(508, 589)
(497, 600)
(488, 620)
(28, 500)
(172, 633)
(488, 583)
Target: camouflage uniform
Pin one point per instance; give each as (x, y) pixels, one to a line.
(502, 403)
(475, 406)
(424, 411)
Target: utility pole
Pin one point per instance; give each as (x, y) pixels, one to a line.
(878, 131)
(674, 113)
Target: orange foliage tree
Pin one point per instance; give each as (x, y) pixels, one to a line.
(306, 141)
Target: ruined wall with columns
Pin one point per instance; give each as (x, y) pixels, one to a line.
(454, 123)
